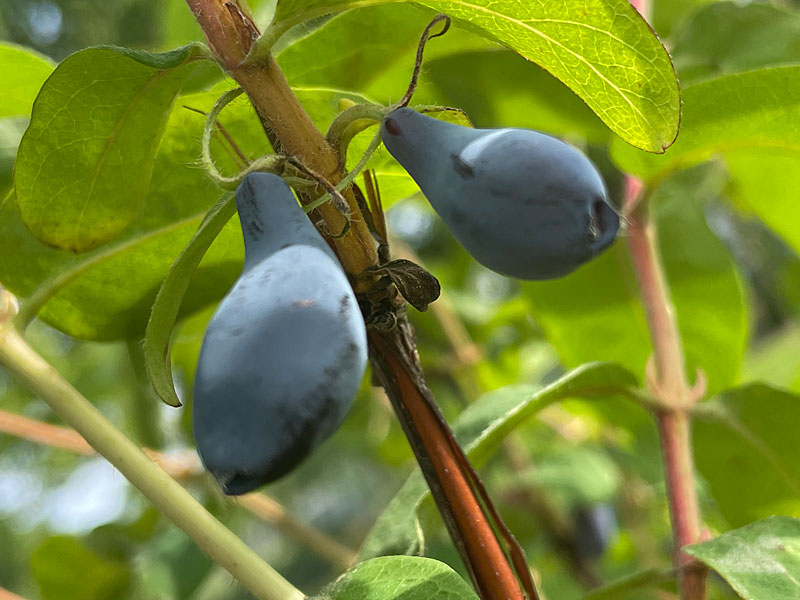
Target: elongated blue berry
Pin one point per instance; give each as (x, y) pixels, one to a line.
(284, 353)
(522, 203)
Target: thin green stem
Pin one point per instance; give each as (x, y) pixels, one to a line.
(50, 287)
(221, 544)
(636, 581)
(343, 122)
(350, 177)
(6, 198)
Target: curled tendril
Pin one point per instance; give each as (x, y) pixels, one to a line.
(333, 194)
(344, 126)
(272, 163)
(339, 136)
(426, 35)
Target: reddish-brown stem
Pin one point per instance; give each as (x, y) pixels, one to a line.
(490, 571)
(466, 353)
(667, 346)
(668, 383)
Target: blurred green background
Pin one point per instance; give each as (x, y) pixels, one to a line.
(72, 528)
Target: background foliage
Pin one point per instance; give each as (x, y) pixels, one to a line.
(724, 199)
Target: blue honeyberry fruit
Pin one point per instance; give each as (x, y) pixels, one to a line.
(284, 353)
(522, 203)
(595, 528)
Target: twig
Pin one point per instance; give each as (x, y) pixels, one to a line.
(221, 544)
(288, 127)
(467, 353)
(271, 511)
(184, 467)
(426, 35)
(441, 463)
(636, 581)
(393, 353)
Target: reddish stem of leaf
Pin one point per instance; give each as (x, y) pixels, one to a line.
(671, 387)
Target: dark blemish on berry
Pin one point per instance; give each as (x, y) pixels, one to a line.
(391, 126)
(463, 169)
(344, 305)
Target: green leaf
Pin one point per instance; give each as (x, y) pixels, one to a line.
(24, 72)
(480, 429)
(85, 162)
(391, 33)
(505, 90)
(750, 119)
(11, 130)
(65, 569)
(170, 297)
(107, 293)
(595, 313)
(764, 183)
(399, 578)
(725, 37)
(760, 561)
(575, 475)
(775, 360)
(750, 110)
(322, 103)
(602, 50)
(746, 448)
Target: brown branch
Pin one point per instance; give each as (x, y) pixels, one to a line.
(230, 35)
(466, 354)
(183, 467)
(442, 466)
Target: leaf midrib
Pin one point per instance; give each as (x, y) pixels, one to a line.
(49, 288)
